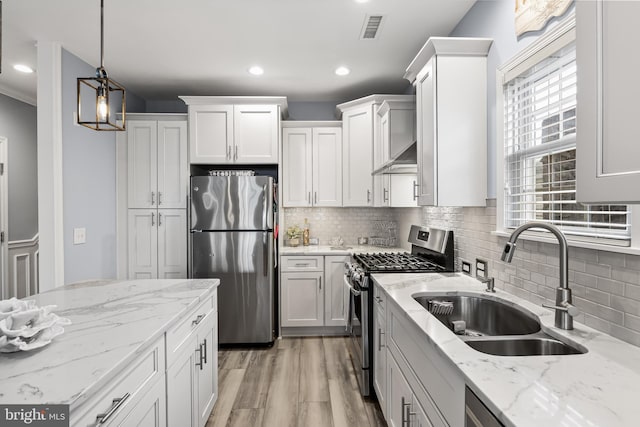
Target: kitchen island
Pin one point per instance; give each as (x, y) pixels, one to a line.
(599, 388)
(123, 338)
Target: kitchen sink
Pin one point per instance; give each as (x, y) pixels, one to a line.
(494, 327)
(483, 316)
(525, 347)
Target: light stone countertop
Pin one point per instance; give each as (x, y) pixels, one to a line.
(113, 322)
(326, 250)
(599, 388)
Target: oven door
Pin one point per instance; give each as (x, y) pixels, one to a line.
(358, 328)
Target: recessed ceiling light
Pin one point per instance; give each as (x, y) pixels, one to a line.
(362, 1)
(23, 68)
(342, 71)
(256, 70)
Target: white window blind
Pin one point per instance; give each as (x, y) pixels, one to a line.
(540, 154)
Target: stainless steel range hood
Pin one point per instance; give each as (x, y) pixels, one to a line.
(404, 163)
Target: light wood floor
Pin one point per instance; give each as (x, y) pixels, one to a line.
(301, 382)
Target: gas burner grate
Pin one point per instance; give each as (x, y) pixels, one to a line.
(395, 262)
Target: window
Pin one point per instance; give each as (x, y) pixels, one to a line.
(539, 163)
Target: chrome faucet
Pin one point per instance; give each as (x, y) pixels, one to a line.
(565, 310)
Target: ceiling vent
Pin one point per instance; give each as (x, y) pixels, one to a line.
(371, 27)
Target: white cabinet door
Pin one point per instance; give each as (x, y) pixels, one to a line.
(327, 166)
(172, 165)
(256, 130)
(335, 294)
(403, 190)
(426, 131)
(172, 244)
(142, 164)
(143, 244)
(150, 410)
(418, 416)
(181, 387)
(302, 299)
(207, 373)
(608, 154)
(380, 358)
(297, 175)
(357, 158)
(399, 395)
(211, 134)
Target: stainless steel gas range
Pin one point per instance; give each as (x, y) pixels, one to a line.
(431, 252)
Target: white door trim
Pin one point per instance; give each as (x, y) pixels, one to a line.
(50, 201)
(4, 214)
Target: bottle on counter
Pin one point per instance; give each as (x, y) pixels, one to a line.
(305, 233)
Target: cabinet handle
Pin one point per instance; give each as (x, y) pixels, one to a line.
(315, 197)
(309, 197)
(197, 320)
(153, 215)
(153, 195)
(301, 264)
(368, 196)
(159, 218)
(385, 195)
(229, 152)
(159, 198)
(380, 334)
(415, 190)
(199, 351)
(236, 152)
(403, 413)
(320, 282)
(204, 346)
(115, 405)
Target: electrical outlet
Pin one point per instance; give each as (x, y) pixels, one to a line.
(481, 268)
(466, 268)
(79, 236)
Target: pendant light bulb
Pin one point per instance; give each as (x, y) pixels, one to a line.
(102, 105)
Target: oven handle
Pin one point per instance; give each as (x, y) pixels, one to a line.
(349, 326)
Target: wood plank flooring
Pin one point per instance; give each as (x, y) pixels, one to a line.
(299, 382)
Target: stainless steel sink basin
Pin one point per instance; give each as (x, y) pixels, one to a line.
(494, 327)
(524, 347)
(483, 316)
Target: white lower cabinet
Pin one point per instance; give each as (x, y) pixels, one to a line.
(192, 378)
(312, 292)
(157, 243)
(418, 386)
(150, 411)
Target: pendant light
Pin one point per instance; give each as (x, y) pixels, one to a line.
(106, 98)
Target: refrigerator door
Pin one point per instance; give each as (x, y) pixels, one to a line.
(243, 261)
(231, 203)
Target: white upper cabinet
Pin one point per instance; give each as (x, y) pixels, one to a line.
(312, 164)
(157, 164)
(451, 104)
(234, 130)
(364, 148)
(255, 129)
(608, 155)
(211, 134)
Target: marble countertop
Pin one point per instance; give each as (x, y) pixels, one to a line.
(326, 250)
(113, 322)
(599, 388)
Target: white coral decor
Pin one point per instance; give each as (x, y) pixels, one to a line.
(24, 326)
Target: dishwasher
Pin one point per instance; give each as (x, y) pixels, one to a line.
(476, 413)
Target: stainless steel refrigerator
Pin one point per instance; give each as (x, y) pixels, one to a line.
(232, 220)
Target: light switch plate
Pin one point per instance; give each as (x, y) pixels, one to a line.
(481, 268)
(466, 267)
(79, 236)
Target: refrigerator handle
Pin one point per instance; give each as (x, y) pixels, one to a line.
(267, 249)
(265, 212)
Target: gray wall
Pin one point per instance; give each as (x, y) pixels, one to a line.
(312, 110)
(165, 106)
(18, 123)
(496, 19)
(89, 186)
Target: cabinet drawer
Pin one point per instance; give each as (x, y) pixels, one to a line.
(302, 263)
(179, 335)
(132, 382)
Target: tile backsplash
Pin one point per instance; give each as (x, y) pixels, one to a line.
(325, 223)
(606, 285)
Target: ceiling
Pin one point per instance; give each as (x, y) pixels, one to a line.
(159, 49)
